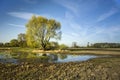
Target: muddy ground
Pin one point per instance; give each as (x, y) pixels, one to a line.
(95, 69)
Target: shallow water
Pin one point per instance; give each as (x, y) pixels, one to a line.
(19, 57)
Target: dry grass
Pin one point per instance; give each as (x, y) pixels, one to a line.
(110, 51)
(96, 52)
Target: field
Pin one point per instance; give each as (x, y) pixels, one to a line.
(106, 68)
(96, 51)
(95, 69)
(100, 51)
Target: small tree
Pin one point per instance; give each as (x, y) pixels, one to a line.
(63, 47)
(40, 30)
(52, 45)
(1, 44)
(7, 44)
(14, 43)
(22, 40)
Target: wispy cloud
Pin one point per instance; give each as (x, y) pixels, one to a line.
(110, 32)
(16, 25)
(75, 27)
(23, 15)
(27, 15)
(107, 14)
(96, 34)
(69, 15)
(31, 1)
(76, 32)
(72, 6)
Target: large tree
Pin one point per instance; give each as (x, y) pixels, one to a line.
(40, 30)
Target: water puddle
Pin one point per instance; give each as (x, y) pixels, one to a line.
(11, 57)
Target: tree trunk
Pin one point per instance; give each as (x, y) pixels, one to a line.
(44, 47)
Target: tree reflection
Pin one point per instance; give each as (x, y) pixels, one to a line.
(62, 56)
(53, 57)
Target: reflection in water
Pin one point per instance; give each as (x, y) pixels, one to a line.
(62, 56)
(53, 57)
(11, 57)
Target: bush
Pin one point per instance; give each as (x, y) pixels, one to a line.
(63, 47)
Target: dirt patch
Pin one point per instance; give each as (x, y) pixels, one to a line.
(95, 69)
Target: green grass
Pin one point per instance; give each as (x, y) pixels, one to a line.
(17, 49)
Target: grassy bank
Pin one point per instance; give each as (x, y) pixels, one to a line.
(16, 49)
(96, 51)
(95, 69)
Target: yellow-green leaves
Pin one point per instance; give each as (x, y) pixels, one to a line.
(40, 30)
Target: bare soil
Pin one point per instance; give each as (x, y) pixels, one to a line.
(94, 69)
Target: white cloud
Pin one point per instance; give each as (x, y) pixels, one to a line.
(23, 15)
(107, 14)
(15, 25)
(27, 15)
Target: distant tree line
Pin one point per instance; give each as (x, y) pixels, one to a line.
(19, 42)
(22, 42)
(105, 45)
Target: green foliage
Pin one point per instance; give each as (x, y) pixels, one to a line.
(1, 44)
(7, 44)
(14, 43)
(40, 30)
(63, 47)
(21, 37)
(52, 46)
(22, 40)
(106, 45)
(62, 56)
(31, 55)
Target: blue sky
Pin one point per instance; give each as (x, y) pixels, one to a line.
(82, 20)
